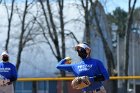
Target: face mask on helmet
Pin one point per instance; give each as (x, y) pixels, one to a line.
(82, 53)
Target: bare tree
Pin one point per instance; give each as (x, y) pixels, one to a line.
(89, 6)
(106, 47)
(26, 31)
(86, 6)
(127, 36)
(21, 45)
(108, 52)
(27, 34)
(9, 17)
(61, 17)
(53, 32)
(56, 32)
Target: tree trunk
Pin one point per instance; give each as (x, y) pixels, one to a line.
(9, 24)
(85, 5)
(127, 38)
(107, 50)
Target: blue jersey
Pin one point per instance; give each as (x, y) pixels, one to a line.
(87, 67)
(8, 71)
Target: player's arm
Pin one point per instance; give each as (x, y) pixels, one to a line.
(62, 66)
(102, 76)
(12, 78)
(104, 73)
(13, 74)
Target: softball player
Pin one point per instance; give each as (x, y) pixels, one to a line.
(8, 74)
(90, 67)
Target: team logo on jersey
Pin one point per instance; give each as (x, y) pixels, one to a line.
(84, 67)
(5, 69)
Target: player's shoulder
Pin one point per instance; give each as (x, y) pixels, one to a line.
(7, 64)
(0, 62)
(95, 60)
(11, 64)
(77, 63)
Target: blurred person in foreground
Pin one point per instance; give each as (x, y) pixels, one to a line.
(8, 74)
(89, 73)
